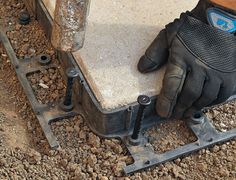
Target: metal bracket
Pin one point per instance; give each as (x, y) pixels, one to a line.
(44, 113)
(144, 157)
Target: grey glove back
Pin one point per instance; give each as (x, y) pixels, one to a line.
(201, 69)
(201, 66)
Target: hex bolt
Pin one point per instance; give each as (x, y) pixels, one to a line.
(197, 118)
(24, 18)
(143, 101)
(44, 59)
(67, 105)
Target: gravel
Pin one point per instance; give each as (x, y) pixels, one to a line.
(227, 113)
(47, 85)
(170, 135)
(25, 154)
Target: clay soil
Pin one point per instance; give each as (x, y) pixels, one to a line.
(25, 154)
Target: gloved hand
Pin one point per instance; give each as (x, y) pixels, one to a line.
(201, 64)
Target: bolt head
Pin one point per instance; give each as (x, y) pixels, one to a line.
(144, 100)
(24, 18)
(72, 72)
(197, 118)
(44, 59)
(133, 142)
(66, 108)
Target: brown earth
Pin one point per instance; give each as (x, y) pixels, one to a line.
(25, 154)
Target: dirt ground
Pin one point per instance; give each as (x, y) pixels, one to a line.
(25, 154)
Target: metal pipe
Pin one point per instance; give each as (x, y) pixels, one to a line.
(70, 19)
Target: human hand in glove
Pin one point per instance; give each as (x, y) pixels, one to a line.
(201, 64)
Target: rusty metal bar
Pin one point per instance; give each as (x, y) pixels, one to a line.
(70, 19)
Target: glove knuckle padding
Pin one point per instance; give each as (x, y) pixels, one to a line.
(213, 47)
(214, 50)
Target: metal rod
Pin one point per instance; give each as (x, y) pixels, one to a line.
(143, 101)
(69, 26)
(67, 104)
(138, 122)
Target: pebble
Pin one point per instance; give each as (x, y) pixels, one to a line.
(79, 174)
(224, 172)
(36, 155)
(92, 160)
(43, 85)
(94, 140)
(202, 167)
(145, 176)
(103, 178)
(118, 170)
(82, 135)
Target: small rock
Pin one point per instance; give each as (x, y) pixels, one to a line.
(224, 172)
(25, 39)
(215, 113)
(104, 178)
(69, 129)
(71, 166)
(222, 125)
(31, 51)
(29, 126)
(230, 158)
(145, 176)
(94, 140)
(202, 167)
(43, 85)
(216, 149)
(79, 174)
(119, 168)
(18, 27)
(64, 163)
(3, 162)
(92, 160)
(35, 155)
(89, 169)
(46, 79)
(224, 147)
(82, 135)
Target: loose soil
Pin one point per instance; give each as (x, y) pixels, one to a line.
(169, 135)
(25, 154)
(48, 86)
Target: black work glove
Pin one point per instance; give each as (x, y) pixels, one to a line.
(201, 66)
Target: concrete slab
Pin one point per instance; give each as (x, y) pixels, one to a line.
(118, 33)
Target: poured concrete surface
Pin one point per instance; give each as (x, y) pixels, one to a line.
(118, 33)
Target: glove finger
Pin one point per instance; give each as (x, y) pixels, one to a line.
(191, 91)
(210, 93)
(172, 85)
(224, 94)
(156, 55)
